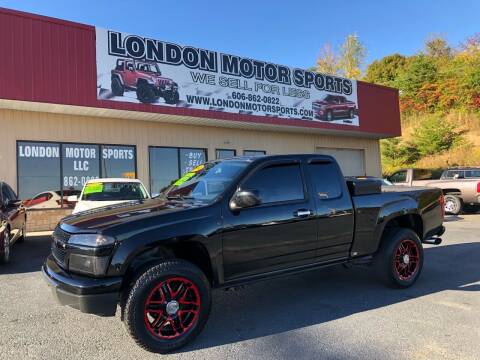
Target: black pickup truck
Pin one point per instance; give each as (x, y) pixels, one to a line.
(229, 222)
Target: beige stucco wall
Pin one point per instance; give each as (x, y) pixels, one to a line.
(24, 125)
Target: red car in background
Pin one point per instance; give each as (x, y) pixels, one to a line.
(51, 199)
(333, 107)
(13, 220)
(146, 79)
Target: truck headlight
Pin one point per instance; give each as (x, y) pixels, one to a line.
(92, 240)
(87, 264)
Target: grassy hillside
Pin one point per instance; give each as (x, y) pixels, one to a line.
(440, 105)
(466, 153)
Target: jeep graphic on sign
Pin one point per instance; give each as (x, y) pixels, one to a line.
(146, 79)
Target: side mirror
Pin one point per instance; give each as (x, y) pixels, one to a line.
(72, 198)
(244, 199)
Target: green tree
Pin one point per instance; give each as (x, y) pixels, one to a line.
(397, 153)
(386, 70)
(352, 56)
(435, 135)
(420, 70)
(438, 47)
(327, 61)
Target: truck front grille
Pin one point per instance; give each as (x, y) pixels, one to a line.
(60, 255)
(59, 252)
(60, 235)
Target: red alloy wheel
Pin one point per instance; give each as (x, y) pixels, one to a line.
(172, 308)
(406, 259)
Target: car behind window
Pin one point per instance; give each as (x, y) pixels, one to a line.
(113, 191)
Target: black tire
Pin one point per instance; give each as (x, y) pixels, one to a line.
(138, 321)
(172, 97)
(146, 93)
(329, 116)
(391, 264)
(453, 204)
(5, 249)
(117, 87)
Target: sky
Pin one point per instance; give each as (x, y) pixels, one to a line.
(284, 32)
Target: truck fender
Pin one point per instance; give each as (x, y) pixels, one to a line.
(187, 247)
(144, 80)
(119, 77)
(402, 209)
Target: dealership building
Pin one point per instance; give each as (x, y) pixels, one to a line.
(79, 102)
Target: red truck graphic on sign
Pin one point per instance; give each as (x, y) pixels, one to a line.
(333, 107)
(146, 79)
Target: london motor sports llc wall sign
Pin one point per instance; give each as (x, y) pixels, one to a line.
(136, 69)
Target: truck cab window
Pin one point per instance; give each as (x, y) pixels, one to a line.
(325, 179)
(399, 177)
(277, 183)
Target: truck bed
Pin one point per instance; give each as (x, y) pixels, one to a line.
(373, 211)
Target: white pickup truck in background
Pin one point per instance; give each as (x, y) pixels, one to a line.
(460, 194)
(108, 191)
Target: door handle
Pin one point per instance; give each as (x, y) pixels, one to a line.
(302, 213)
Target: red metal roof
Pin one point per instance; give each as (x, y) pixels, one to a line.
(53, 61)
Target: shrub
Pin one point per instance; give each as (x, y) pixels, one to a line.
(435, 135)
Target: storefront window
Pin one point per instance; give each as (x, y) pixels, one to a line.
(80, 163)
(163, 168)
(225, 153)
(118, 161)
(254, 152)
(50, 172)
(168, 164)
(190, 159)
(39, 174)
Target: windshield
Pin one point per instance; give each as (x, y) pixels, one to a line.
(114, 191)
(206, 181)
(152, 68)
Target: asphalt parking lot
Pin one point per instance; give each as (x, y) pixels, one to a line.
(335, 313)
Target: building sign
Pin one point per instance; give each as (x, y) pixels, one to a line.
(132, 68)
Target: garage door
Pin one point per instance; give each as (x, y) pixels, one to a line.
(352, 161)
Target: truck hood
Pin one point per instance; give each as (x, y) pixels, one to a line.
(101, 218)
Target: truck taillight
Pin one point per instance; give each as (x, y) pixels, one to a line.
(478, 187)
(442, 204)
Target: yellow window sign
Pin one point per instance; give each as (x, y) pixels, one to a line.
(188, 175)
(198, 168)
(93, 188)
(184, 178)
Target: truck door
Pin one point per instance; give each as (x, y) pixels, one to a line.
(338, 106)
(14, 211)
(278, 233)
(334, 209)
(129, 75)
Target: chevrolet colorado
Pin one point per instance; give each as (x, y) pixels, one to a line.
(229, 222)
